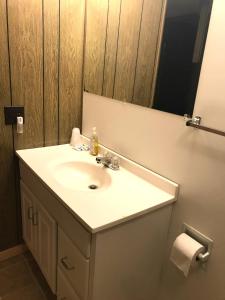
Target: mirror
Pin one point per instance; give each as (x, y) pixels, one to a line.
(146, 52)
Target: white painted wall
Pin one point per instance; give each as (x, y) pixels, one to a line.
(190, 157)
(210, 102)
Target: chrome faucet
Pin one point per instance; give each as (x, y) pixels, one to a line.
(108, 161)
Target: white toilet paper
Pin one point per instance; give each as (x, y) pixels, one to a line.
(184, 252)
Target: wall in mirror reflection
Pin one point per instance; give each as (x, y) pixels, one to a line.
(146, 52)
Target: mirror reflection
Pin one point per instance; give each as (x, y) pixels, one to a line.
(146, 52)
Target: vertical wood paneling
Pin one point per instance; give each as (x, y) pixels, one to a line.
(111, 47)
(8, 213)
(34, 61)
(97, 11)
(51, 44)
(127, 49)
(151, 19)
(71, 66)
(26, 55)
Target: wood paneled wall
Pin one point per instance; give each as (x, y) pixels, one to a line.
(8, 202)
(41, 68)
(71, 65)
(26, 62)
(51, 71)
(122, 43)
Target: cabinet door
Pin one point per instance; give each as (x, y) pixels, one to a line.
(47, 231)
(64, 289)
(28, 209)
(73, 264)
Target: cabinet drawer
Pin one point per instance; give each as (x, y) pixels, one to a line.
(65, 291)
(73, 264)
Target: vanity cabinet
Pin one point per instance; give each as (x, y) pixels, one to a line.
(122, 262)
(39, 233)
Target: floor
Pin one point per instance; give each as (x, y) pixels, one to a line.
(21, 279)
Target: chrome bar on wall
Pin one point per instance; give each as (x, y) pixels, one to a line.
(196, 121)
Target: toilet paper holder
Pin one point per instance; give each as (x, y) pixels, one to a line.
(203, 257)
(202, 239)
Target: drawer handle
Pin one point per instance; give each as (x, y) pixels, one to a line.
(35, 219)
(30, 213)
(66, 264)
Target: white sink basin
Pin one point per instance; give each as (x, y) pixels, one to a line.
(121, 195)
(77, 175)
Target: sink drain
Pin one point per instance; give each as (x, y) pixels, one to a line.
(93, 187)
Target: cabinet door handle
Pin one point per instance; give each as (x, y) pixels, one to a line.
(30, 213)
(35, 219)
(66, 264)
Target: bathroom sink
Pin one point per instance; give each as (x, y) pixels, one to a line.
(119, 195)
(76, 175)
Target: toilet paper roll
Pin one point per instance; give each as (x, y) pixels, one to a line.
(184, 253)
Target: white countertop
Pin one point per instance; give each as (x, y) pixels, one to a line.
(130, 194)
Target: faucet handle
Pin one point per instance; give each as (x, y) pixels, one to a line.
(115, 163)
(107, 154)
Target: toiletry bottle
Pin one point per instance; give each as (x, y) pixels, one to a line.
(94, 142)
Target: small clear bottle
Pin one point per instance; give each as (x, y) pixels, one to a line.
(94, 146)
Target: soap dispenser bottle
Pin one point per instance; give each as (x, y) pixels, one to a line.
(94, 147)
